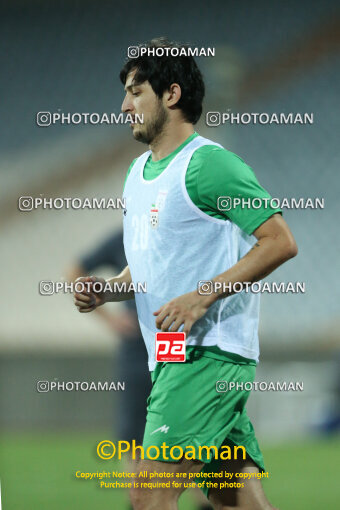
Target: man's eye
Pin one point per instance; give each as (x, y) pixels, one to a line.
(135, 93)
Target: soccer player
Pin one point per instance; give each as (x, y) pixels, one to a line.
(178, 232)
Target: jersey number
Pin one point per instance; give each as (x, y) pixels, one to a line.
(140, 232)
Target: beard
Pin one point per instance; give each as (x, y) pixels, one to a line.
(154, 127)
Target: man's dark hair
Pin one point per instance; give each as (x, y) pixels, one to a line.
(162, 71)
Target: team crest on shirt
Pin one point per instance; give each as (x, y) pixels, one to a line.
(156, 208)
(154, 216)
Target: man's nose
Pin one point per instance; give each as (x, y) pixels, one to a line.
(127, 105)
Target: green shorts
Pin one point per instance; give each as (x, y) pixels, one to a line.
(185, 409)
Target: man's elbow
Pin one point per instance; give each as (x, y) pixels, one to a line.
(289, 249)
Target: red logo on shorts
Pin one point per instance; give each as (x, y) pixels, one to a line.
(170, 346)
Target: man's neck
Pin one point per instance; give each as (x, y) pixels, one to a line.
(170, 138)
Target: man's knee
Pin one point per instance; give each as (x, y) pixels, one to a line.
(146, 498)
(142, 498)
(138, 498)
(229, 500)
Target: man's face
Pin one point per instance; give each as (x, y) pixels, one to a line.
(141, 100)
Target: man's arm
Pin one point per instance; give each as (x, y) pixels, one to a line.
(99, 294)
(275, 245)
(123, 322)
(123, 278)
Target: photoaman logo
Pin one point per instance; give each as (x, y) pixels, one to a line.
(170, 346)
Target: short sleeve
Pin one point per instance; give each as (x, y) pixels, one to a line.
(224, 177)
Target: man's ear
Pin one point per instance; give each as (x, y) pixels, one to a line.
(173, 95)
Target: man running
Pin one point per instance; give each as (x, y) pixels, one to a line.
(179, 235)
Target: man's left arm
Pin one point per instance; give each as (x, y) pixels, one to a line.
(275, 245)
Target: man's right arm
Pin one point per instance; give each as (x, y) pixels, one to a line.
(97, 292)
(122, 281)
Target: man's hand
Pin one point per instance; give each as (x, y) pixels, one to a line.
(91, 297)
(185, 309)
